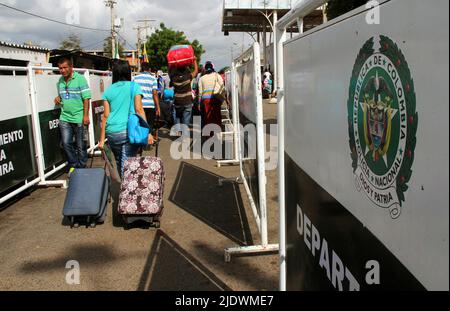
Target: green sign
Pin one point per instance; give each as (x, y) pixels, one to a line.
(17, 161)
(382, 124)
(51, 138)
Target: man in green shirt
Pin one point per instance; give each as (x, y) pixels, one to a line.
(74, 98)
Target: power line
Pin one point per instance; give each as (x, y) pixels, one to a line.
(94, 44)
(126, 41)
(51, 20)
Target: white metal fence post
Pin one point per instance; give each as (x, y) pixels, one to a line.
(261, 215)
(275, 65)
(234, 111)
(281, 38)
(301, 9)
(36, 125)
(261, 146)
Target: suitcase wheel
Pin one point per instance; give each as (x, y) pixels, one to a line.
(157, 224)
(92, 224)
(73, 224)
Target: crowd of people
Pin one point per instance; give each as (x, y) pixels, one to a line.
(172, 98)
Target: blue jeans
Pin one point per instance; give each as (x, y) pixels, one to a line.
(122, 149)
(183, 115)
(73, 144)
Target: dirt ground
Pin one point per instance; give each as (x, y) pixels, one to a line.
(200, 220)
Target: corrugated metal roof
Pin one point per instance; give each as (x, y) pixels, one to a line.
(248, 15)
(24, 47)
(260, 4)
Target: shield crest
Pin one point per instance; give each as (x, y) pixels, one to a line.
(377, 117)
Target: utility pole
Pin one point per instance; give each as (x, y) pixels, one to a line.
(111, 4)
(139, 37)
(146, 25)
(139, 43)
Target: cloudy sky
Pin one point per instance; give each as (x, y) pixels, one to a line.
(199, 19)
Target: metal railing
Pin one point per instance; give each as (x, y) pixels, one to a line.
(232, 126)
(41, 180)
(296, 15)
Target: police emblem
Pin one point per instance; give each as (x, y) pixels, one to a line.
(382, 124)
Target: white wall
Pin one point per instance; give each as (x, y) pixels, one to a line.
(34, 57)
(318, 68)
(16, 101)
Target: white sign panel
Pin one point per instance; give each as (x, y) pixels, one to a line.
(367, 150)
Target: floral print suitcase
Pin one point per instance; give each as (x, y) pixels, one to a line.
(141, 194)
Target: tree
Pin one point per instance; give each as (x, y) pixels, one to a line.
(73, 42)
(336, 8)
(107, 47)
(160, 42)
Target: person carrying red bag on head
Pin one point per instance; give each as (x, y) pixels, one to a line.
(181, 80)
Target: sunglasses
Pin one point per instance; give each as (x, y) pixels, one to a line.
(67, 92)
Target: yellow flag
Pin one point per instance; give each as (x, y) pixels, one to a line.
(144, 53)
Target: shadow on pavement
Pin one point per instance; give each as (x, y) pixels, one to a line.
(197, 191)
(89, 254)
(170, 268)
(240, 268)
(26, 193)
(115, 193)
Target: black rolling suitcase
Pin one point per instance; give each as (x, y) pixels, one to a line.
(87, 197)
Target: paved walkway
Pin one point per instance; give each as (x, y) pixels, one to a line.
(200, 220)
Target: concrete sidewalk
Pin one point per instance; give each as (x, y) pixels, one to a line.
(200, 220)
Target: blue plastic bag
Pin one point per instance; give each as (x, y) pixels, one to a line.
(168, 94)
(138, 128)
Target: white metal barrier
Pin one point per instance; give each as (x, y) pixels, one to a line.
(302, 9)
(34, 102)
(248, 100)
(232, 125)
(363, 163)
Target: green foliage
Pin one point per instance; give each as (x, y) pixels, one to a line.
(336, 8)
(73, 42)
(107, 47)
(159, 44)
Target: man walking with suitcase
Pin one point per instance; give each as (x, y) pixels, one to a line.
(74, 99)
